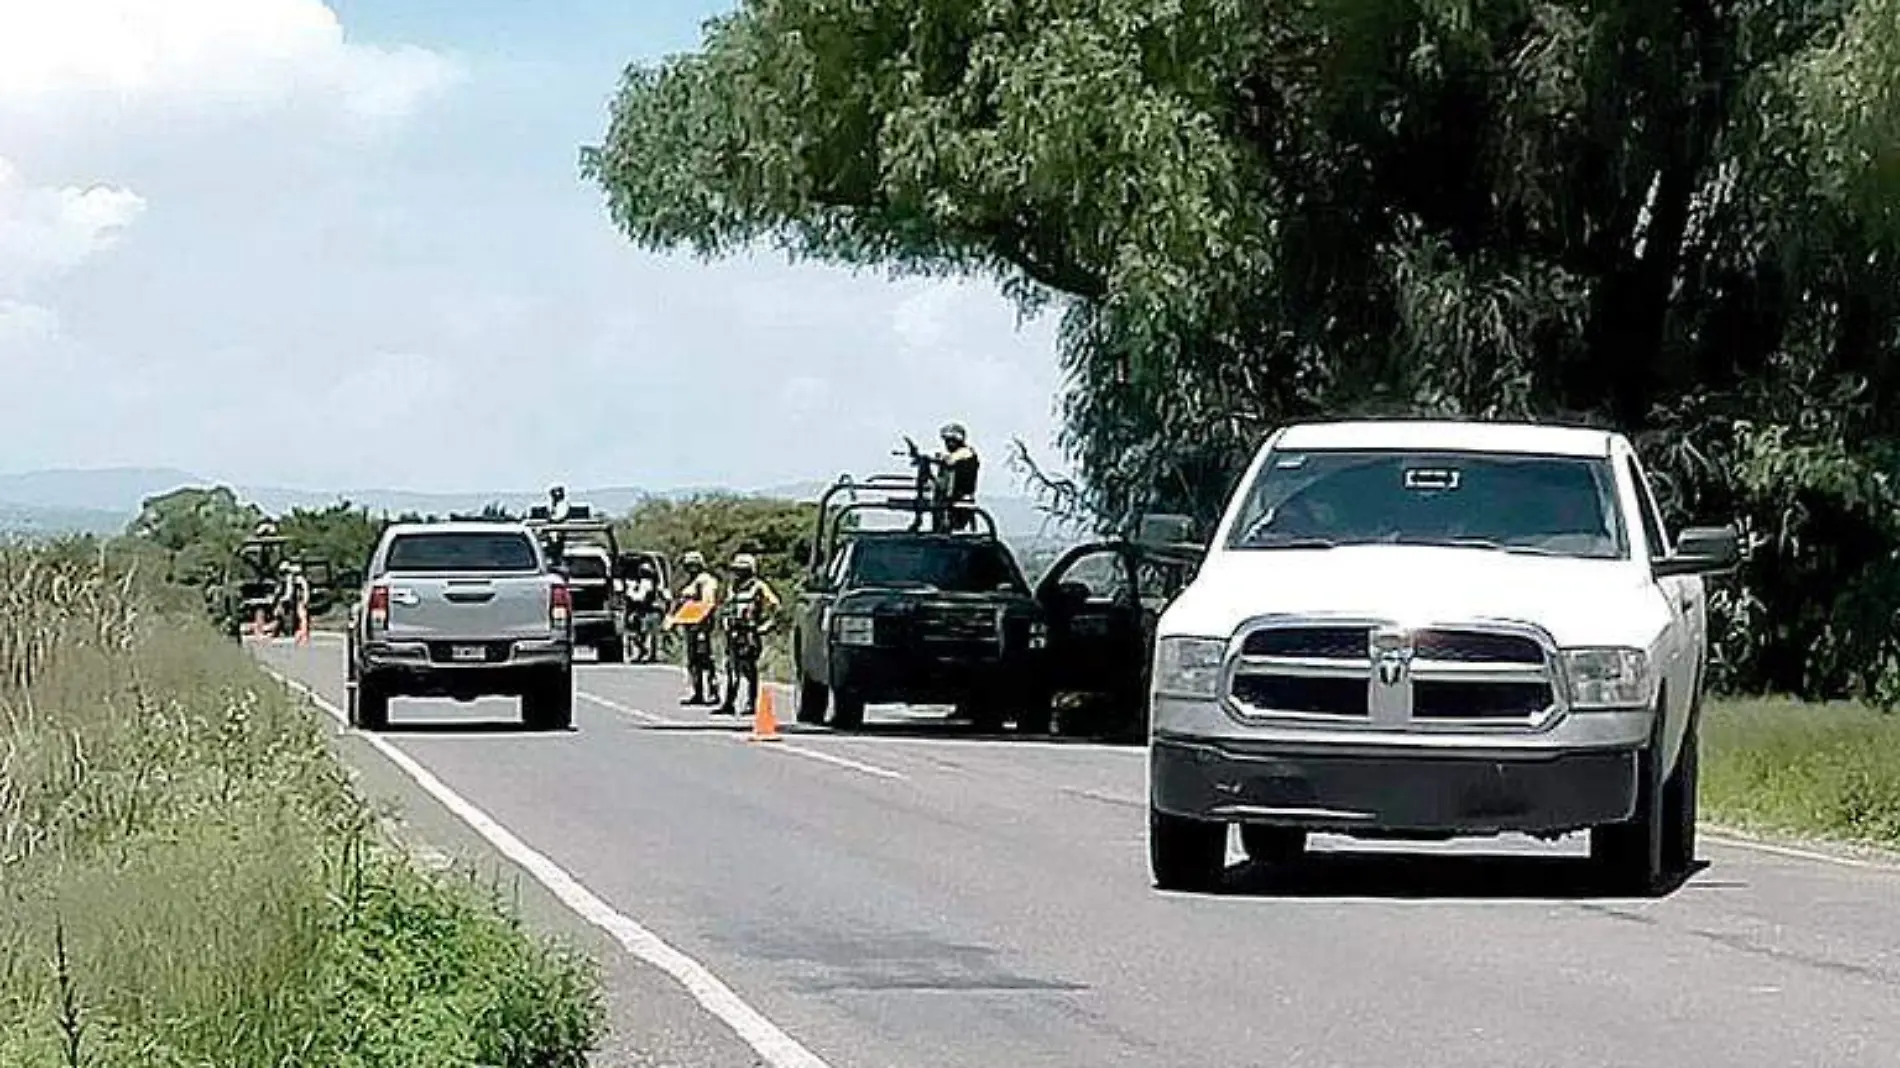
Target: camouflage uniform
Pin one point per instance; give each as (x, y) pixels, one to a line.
(748, 614)
(700, 664)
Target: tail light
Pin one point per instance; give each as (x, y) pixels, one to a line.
(379, 606)
(560, 605)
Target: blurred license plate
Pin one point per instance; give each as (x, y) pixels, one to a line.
(468, 652)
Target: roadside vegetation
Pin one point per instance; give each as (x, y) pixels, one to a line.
(188, 878)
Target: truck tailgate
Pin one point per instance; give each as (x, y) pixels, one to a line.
(428, 607)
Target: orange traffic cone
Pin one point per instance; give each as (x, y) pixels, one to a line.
(764, 723)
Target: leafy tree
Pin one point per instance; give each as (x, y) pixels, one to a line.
(198, 528)
(1676, 217)
(722, 525)
(342, 533)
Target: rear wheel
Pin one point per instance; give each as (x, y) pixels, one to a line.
(1272, 845)
(1185, 854)
(369, 704)
(549, 704)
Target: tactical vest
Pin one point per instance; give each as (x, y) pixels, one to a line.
(745, 607)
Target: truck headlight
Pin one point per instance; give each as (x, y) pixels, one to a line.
(1609, 678)
(855, 630)
(1189, 667)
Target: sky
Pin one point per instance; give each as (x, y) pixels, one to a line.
(283, 242)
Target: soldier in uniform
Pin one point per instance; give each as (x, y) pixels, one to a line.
(700, 587)
(957, 465)
(750, 609)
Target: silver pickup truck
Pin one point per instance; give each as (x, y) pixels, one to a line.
(462, 610)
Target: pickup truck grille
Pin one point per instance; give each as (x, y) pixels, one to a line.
(1369, 673)
(957, 625)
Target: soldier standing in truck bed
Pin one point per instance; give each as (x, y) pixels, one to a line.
(958, 467)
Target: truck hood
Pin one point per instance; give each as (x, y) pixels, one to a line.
(1580, 602)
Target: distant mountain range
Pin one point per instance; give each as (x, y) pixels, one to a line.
(103, 501)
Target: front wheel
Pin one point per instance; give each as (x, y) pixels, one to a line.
(1638, 857)
(812, 699)
(847, 711)
(1185, 854)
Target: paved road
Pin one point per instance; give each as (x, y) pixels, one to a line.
(911, 898)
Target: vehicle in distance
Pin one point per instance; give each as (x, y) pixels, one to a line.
(1412, 629)
(462, 610)
(588, 554)
(914, 616)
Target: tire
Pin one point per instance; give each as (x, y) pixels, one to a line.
(1679, 801)
(1272, 845)
(1185, 854)
(611, 651)
(983, 711)
(1038, 715)
(369, 705)
(847, 711)
(812, 699)
(549, 705)
(1637, 857)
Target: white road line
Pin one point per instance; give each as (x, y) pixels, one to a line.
(785, 747)
(773, 1045)
(1724, 837)
(843, 762)
(625, 710)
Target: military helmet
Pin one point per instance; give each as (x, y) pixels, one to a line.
(954, 432)
(694, 558)
(745, 562)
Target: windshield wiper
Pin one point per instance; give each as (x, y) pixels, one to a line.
(1287, 541)
(1479, 543)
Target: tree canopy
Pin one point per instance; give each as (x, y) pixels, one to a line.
(1680, 218)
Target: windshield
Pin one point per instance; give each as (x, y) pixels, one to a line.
(461, 552)
(1552, 505)
(977, 567)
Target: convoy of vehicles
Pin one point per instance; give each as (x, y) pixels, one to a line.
(1398, 629)
(1428, 630)
(462, 610)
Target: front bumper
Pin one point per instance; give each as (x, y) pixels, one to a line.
(430, 657)
(902, 676)
(1372, 790)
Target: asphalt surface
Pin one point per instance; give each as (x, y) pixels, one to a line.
(916, 897)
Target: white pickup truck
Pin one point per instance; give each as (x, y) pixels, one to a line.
(1427, 630)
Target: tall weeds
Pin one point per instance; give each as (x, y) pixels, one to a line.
(187, 879)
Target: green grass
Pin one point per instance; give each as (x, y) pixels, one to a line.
(1803, 769)
(186, 877)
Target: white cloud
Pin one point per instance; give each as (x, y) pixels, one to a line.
(446, 309)
(167, 54)
(45, 230)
